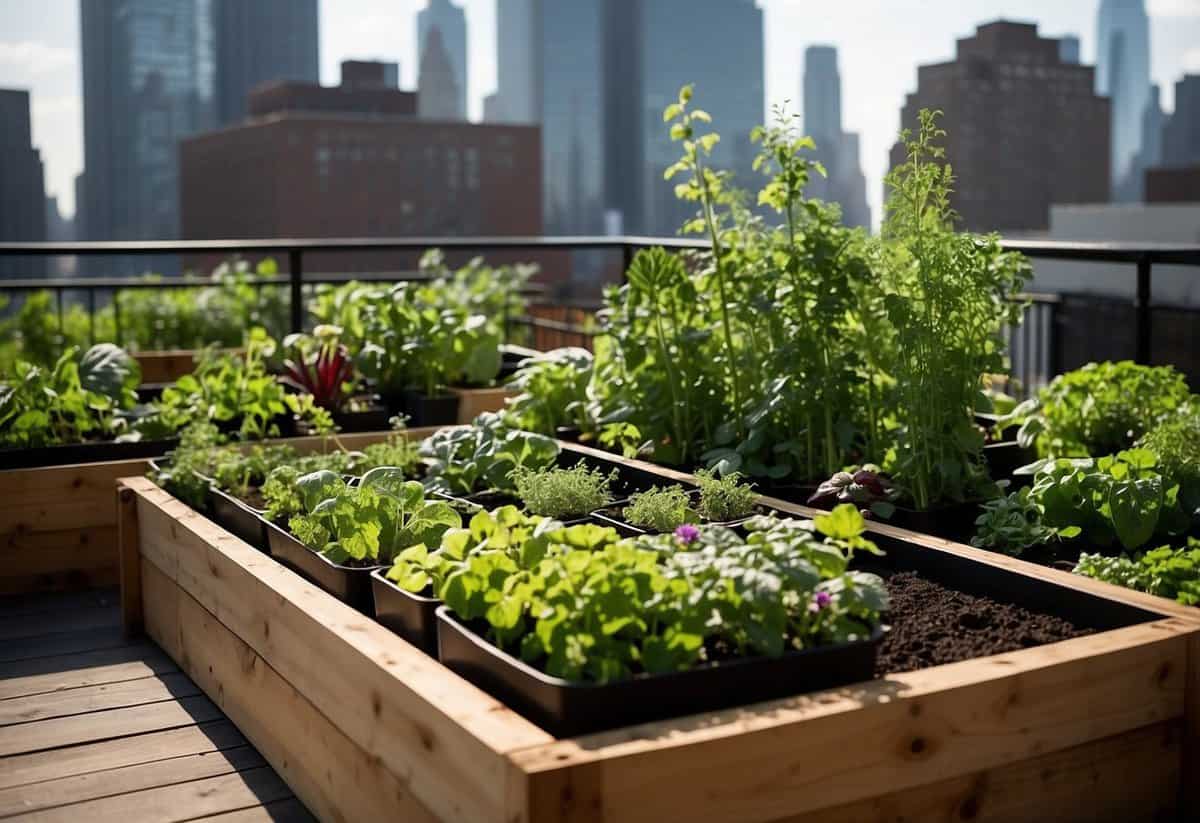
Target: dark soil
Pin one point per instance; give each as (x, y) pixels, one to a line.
(932, 625)
(253, 498)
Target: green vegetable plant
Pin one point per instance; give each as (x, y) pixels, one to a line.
(563, 494)
(482, 456)
(1014, 524)
(79, 398)
(187, 474)
(368, 524)
(1176, 441)
(946, 297)
(724, 498)
(552, 392)
(660, 510)
(1099, 409)
(1165, 571)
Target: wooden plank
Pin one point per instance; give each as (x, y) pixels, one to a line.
(57, 498)
(91, 668)
(109, 782)
(1132, 777)
(335, 777)
(19, 605)
(281, 811)
(67, 560)
(39, 625)
(96, 698)
(758, 763)
(129, 561)
(429, 726)
(1189, 801)
(125, 751)
(51, 645)
(181, 801)
(87, 728)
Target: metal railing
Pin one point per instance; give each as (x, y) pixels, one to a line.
(1034, 344)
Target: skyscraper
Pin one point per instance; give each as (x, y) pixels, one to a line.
(516, 63)
(437, 91)
(450, 21)
(836, 149)
(1150, 153)
(22, 189)
(261, 41)
(148, 80)
(1025, 129)
(1123, 75)
(1181, 133)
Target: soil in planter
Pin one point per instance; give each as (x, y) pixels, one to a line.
(932, 625)
(252, 497)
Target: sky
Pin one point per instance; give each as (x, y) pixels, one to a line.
(880, 43)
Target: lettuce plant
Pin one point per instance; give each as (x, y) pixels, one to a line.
(1166, 571)
(552, 391)
(370, 523)
(482, 456)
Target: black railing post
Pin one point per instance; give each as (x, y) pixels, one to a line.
(1142, 318)
(296, 280)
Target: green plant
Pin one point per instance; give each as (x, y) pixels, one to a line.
(584, 605)
(1013, 524)
(552, 392)
(660, 510)
(482, 456)
(368, 524)
(867, 487)
(187, 472)
(1176, 441)
(946, 296)
(1166, 572)
(563, 493)
(77, 399)
(1100, 408)
(320, 365)
(396, 451)
(724, 498)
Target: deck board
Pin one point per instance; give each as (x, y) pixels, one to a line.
(97, 727)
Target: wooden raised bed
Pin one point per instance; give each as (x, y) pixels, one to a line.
(364, 726)
(168, 365)
(58, 524)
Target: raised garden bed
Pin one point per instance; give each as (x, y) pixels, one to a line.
(1100, 725)
(70, 454)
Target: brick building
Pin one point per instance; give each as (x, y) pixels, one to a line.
(1025, 129)
(351, 161)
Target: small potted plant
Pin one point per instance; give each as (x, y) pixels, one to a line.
(563, 494)
(319, 364)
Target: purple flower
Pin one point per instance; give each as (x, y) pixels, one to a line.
(821, 600)
(687, 534)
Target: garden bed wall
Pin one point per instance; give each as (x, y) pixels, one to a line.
(58, 524)
(364, 726)
(168, 365)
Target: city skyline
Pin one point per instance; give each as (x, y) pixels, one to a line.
(40, 52)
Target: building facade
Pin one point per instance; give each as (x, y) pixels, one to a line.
(22, 184)
(1181, 132)
(308, 163)
(449, 21)
(148, 81)
(1123, 76)
(837, 150)
(1025, 129)
(437, 89)
(258, 42)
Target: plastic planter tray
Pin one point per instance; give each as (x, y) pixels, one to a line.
(565, 708)
(612, 515)
(70, 454)
(349, 584)
(412, 616)
(239, 517)
(364, 726)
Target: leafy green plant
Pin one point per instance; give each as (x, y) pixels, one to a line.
(1014, 524)
(397, 451)
(724, 498)
(867, 487)
(1166, 572)
(660, 510)
(187, 473)
(482, 456)
(370, 523)
(946, 296)
(552, 392)
(584, 605)
(320, 366)
(78, 399)
(563, 493)
(1176, 441)
(1100, 408)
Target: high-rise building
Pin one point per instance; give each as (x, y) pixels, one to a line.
(1068, 48)
(22, 187)
(517, 63)
(836, 149)
(370, 74)
(1150, 153)
(437, 91)
(1025, 129)
(1181, 132)
(1123, 75)
(148, 81)
(262, 41)
(450, 21)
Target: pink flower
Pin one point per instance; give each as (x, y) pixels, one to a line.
(687, 534)
(821, 600)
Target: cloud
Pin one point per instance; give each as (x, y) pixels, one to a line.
(34, 57)
(1174, 8)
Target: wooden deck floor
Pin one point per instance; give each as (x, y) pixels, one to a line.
(96, 728)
